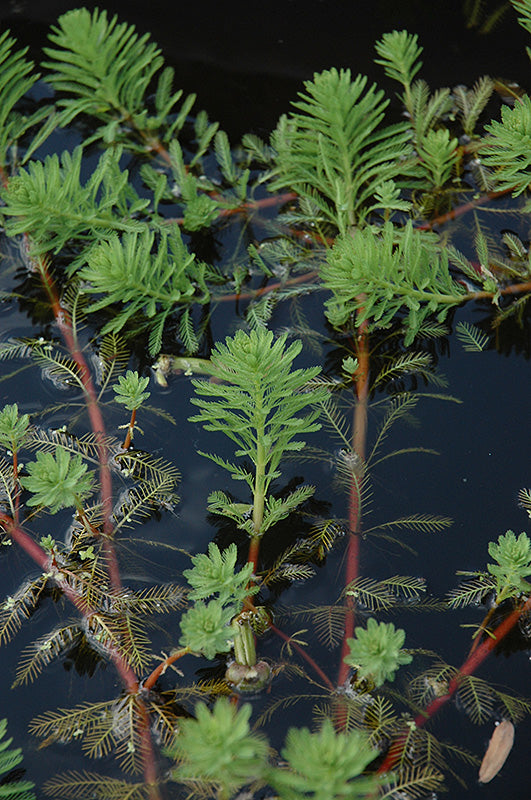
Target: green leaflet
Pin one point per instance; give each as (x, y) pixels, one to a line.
(128, 272)
(375, 277)
(333, 149)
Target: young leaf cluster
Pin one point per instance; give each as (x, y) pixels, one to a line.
(16, 79)
(257, 404)
(376, 278)
(513, 564)
(48, 202)
(333, 150)
(106, 69)
(215, 574)
(126, 272)
(506, 149)
(13, 428)
(376, 651)
(57, 481)
(130, 390)
(218, 748)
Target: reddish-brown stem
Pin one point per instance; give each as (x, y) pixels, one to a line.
(473, 661)
(16, 486)
(63, 321)
(125, 672)
(151, 680)
(458, 211)
(127, 441)
(254, 549)
(251, 295)
(302, 652)
(359, 438)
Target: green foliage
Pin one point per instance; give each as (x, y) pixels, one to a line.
(204, 628)
(57, 481)
(471, 337)
(130, 390)
(513, 564)
(215, 574)
(13, 428)
(376, 651)
(438, 157)
(524, 8)
(16, 79)
(218, 748)
(471, 102)
(48, 203)
(507, 150)
(325, 766)
(257, 406)
(126, 272)
(333, 151)
(376, 278)
(11, 787)
(399, 53)
(107, 69)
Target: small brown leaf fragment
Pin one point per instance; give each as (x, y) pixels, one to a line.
(499, 748)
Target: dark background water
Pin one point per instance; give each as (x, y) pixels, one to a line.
(246, 62)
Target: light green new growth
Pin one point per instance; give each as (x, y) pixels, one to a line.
(126, 272)
(48, 203)
(257, 403)
(57, 481)
(513, 557)
(10, 759)
(16, 79)
(325, 766)
(333, 151)
(399, 53)
(215, 574)
(507, 151)
(13, 428)
(376, 277)
(107, 70)
(218, 748)
(130, 390)
(438, 157)
(376, 651)
(204, 628)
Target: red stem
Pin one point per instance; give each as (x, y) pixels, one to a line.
(468, 668)
(302, 652)
(359, 438)
(129, 436)
(64, 324)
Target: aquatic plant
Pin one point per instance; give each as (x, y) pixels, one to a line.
(114, 272)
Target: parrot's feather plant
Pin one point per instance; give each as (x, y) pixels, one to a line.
(118, 252)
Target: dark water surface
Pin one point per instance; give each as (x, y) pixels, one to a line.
(246, 61)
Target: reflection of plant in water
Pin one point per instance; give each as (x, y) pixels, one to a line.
(364, 198)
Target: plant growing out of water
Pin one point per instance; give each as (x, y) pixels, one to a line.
(257, 403)
(344, 170)
(130, 391)
(57, 481)
(376, 651)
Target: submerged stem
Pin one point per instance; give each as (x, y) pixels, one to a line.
(359, 439)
